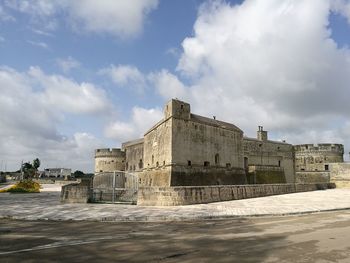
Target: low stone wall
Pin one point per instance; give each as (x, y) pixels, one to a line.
(77, 192)
(187, 195)
(309, 177)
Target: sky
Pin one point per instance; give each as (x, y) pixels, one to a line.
(84, 74)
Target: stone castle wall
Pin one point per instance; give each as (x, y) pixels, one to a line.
(340, 174)
(170, 196)
(133, 155)
(317, 157)
(269, 154)
(157, 155)
(109, 160)
(186, 149)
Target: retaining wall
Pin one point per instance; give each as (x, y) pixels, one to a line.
(77, 192)
(187, 195)
(309, 177)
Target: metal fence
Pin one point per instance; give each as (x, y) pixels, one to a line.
(115, 187)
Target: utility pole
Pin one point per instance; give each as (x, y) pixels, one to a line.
(22, 170)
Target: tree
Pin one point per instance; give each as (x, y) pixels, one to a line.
(78, 174)
(30, 169)
(36, 163)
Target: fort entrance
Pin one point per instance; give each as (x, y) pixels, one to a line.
(115, 187)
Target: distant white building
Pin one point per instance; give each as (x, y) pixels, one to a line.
(57, 172)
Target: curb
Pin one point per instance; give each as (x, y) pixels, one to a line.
(178, 219)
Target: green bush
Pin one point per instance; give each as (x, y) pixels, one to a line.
(25, 186)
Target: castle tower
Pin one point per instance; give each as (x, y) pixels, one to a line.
(177, 109)
(109, 160)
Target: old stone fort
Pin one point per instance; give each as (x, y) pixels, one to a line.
(186, 158)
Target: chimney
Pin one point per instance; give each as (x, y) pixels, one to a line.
(261, 134)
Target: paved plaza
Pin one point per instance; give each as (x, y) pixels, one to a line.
(320, 237)
(46, 206)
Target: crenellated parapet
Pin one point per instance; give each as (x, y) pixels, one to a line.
(109, 160)
(109, 152)
(317, 157)
(330, 148)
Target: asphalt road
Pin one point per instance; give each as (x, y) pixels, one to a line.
(322, 237)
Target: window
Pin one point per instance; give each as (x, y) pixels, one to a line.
(228, 165)
(157, 164)
(140, 164)
(206, 163)
(182, 106)
(163, 162)
(152, 159)
(279, 163)
(326, 167)
(217, 159)
(189, 163)
(127, 166)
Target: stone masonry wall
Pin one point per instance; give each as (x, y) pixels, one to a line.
(270, 153)
(169, 196)
(312, 177)
(340, 174)
(109, 160)
(77, 192)
(317, 157)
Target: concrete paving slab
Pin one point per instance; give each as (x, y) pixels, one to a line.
(46, 206)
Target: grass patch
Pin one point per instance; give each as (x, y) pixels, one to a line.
(25, 186)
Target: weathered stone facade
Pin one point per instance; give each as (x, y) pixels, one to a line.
(188, 195)
(187, 149)
(269, 158)
(133, 155)
(312, 161)
(109, 160)
(317, 157)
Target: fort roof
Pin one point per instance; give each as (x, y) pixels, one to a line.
(214, 122)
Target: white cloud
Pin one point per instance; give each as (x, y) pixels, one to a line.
(67, 64)
(42, 33)
(140, 121)
(32, 107)
(38, 44)
(123, 19)
(267, 62)
(126, 76)
(168, 85)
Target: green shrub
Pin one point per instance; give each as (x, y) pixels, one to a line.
(25, 186)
